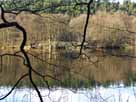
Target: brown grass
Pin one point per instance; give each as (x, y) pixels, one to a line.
(104, 28)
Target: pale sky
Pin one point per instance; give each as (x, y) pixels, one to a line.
(123, 0)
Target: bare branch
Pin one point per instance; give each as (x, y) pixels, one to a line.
(86, 25)
(17, 10)
(28, 64)
(87, 21)
(2, 14)
(22, 77)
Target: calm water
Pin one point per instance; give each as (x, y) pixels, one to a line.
(113, 93)
(95, 73)
(90, 69)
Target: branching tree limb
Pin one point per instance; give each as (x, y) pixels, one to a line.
(30, 6)
(7, 24)
(25, 57)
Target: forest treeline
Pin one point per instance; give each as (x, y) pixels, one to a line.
(68, 6)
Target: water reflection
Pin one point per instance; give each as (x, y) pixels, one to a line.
(90, 69)
(112, 93)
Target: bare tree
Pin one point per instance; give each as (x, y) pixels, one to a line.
(27, 6)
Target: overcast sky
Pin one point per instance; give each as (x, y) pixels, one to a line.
(123, 0)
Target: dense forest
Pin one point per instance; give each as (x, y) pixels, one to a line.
(68, 6)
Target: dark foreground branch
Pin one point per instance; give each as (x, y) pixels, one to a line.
(7, 24)
(19, 80)
(87, 21)
(86, 25)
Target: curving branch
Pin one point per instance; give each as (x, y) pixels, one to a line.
(7, 24)
(86, 25)
(28, 7)
(3, 15)
(57, 66)
(25, 56)
(19, 80)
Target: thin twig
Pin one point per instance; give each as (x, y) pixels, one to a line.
(14, 86)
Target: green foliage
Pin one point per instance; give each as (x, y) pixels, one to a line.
(68, 6)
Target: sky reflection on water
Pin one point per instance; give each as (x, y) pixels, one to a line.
(112, 93)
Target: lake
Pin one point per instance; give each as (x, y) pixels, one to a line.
(113, 93)
(96, 76)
